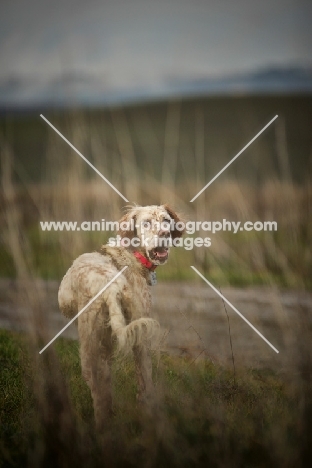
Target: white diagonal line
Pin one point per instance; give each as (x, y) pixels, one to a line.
(234, 308)
(85, 159)
(84, 308)
(235, 157)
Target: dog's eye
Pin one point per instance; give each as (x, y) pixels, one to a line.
(166, 222)
(146, 224)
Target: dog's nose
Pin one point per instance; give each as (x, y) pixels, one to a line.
(164, 234)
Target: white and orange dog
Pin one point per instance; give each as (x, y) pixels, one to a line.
(121, 313)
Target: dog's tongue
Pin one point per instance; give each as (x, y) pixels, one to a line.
(161, 254)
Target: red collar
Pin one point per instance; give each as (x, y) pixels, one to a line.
(149, 265)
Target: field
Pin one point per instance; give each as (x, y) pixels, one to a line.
(166, 152)
(223, 409)
(255, 418)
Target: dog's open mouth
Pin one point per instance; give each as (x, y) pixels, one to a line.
(159, 253)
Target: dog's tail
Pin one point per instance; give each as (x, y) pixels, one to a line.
(137, 332)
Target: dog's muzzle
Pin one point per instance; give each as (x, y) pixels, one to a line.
(160, 253)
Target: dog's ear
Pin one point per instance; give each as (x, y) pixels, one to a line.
(177, 218)
(127, 225)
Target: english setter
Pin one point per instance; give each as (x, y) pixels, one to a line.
(121, 313)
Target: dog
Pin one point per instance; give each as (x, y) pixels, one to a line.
(119, 319)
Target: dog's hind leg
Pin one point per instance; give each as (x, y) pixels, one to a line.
(96, 355)
(143, 369)
(101, 390)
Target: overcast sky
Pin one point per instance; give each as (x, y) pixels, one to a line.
(142, 41)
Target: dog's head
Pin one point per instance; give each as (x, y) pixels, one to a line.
(150, 230)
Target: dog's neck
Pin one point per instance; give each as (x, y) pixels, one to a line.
(124, 257)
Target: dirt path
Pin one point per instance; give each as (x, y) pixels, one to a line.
(193, 319)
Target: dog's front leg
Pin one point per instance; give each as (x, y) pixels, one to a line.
(143, 369)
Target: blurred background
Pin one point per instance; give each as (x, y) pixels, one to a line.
(159, 96)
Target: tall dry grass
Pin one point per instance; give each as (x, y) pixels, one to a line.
(70, 190)
(219, 423)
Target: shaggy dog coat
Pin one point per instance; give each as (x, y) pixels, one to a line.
(120, 314)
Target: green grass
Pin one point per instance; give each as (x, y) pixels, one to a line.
(16, 399)
(204, 416)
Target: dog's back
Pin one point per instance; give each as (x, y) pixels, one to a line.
(125, 304)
